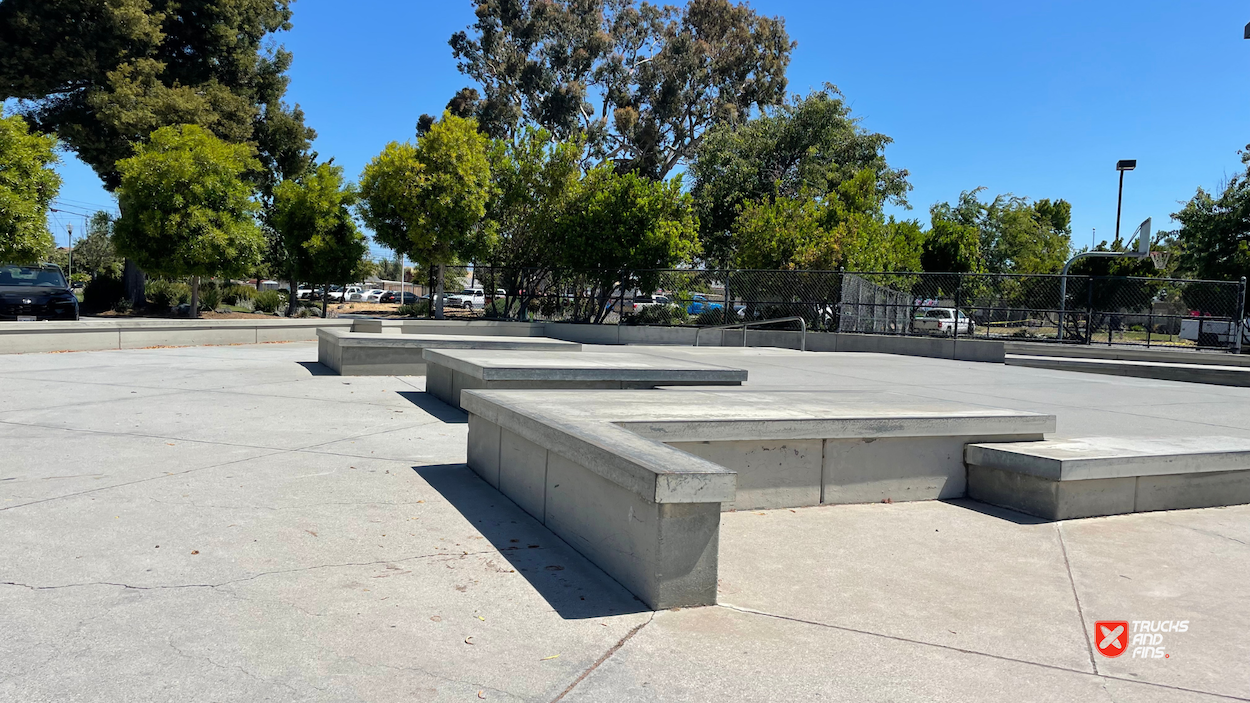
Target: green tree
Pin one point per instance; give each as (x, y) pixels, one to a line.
(428, 200)
(1213, 241)
(616, 228)
(105, 74)
(95, 253)
(1016, 235)
(312, 216)
(28, 184)
(187, 209)
(533, 179)
(809, 147)
(639, 82)
(952, 245)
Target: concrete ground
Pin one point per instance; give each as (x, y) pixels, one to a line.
(232, 524)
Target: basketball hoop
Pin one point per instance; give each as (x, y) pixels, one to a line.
(1160, 259)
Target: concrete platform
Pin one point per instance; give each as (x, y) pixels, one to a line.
(636, 480)
(472, 327)
(1061, 479)
(1210, 373)
(450, 371)
(370, 354)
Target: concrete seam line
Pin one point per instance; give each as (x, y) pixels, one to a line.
(750, 611)
(606, 655)
(1080, 613)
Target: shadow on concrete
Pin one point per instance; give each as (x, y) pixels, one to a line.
(995, 511)
(574, 587)
(435, 407)
(316, 368)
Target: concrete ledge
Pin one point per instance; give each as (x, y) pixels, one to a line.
(1075, 478)
(640, 474)
(1153, 354)
(450, 371)
(1163, 371)
(368, 354)
(128, 333)
(463, 327)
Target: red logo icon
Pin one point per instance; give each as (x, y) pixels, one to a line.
(1111, 637)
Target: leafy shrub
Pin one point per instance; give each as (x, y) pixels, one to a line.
(210, 298)
(237, 293)
(661, 315)
(498, 308)
(267, 301)
(165, 294)
(103, 292)
(421, 308)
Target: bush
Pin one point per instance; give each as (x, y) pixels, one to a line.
(661, 315)
(237, 293)
(497, 309)
(210, 298)
(165, 294)
(421, 308)
(267, 301)
(103, 292)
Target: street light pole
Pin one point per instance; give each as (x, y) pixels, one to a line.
(1122, 165)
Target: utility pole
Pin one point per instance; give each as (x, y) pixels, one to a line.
(70, 228)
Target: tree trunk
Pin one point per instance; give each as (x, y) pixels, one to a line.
(195, 297)
(438, 308)
(290, 301)
(133, 277)
(325, 296)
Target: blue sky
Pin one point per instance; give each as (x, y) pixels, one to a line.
(1036, 99)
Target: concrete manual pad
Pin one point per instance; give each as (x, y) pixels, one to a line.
(1085, 477)
(1114, 457)
(620, 489)
(368, 354)
(452, 371)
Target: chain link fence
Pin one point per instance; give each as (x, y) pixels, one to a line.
(1040, 308)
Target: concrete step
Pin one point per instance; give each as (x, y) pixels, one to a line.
(1154, 354)
(1166, 371)
(1060, 479)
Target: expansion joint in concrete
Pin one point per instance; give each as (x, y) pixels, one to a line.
(606, 656)
(1076, 597)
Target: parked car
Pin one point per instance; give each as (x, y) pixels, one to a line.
(643, 300)
(699, 303)
(353, 294)
(39, 292)
(303, 293)
(1214, 333)
(943, 321)
(394, 296)
(469, 298)
(336, 293)
(372, 295)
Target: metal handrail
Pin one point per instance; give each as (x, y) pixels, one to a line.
(745, 325)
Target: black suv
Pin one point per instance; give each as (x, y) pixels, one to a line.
(36, 292)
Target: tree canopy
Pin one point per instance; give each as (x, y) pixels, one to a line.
(186, 208)
(1213, 241)
(640, 83)
(28, 183)
(1015, 235)
(312, 216)
(105, 75)
(809, 147)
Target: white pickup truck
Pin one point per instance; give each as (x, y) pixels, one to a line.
(943, 321)
(471, 298)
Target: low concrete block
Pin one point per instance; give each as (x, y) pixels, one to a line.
(635, 480)
(366, 354)
(1086, 477)
(450, 371)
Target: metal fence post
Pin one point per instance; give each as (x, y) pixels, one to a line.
(1239, 315)
(728, 308)
(1089, 307)
(959, 297)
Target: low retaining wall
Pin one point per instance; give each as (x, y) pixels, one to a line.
(92, 335)
(97, 335)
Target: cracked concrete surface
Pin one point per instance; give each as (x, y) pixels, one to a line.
(228, 524)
